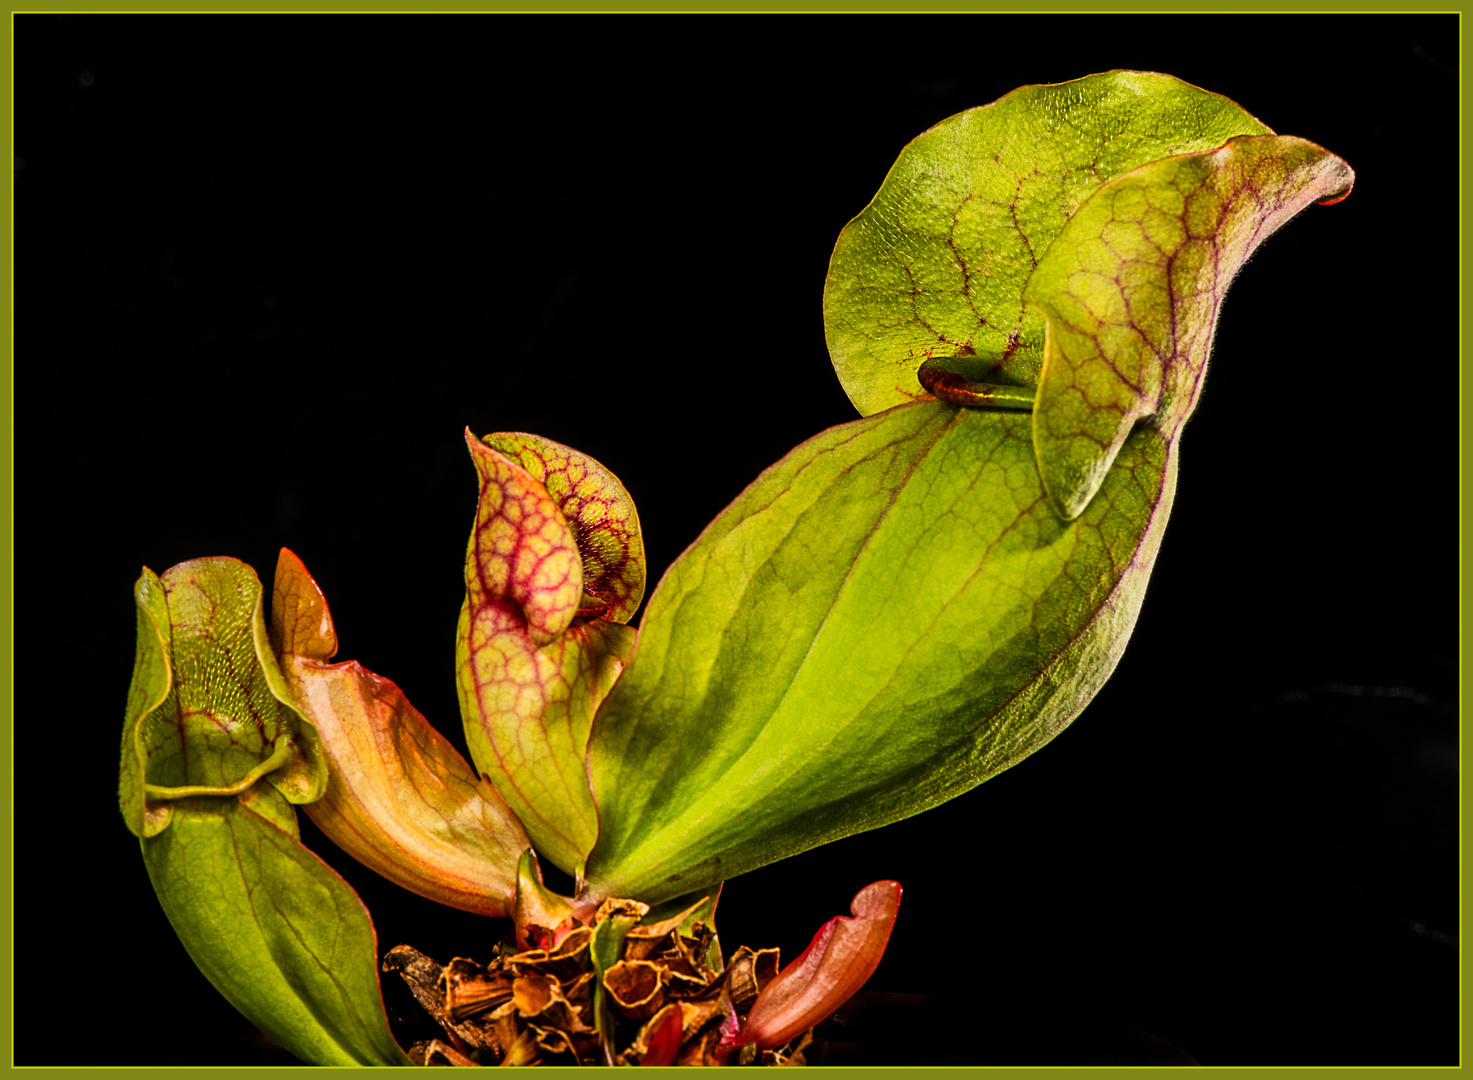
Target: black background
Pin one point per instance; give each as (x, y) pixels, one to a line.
(268, 268)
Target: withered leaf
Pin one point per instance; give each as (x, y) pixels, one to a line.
(471, 989)
(748, 972)
(435, 1052)
(636, 987)
(425, 979)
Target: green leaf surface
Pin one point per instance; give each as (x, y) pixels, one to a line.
(148, 696)
(885, 618)
(1131, 289)
(208, 712)
(275, 929)
(533, 659)
(400, 799)
(937, 263)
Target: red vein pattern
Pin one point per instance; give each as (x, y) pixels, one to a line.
(1131, 289)
(534, 660)
(600, 512)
